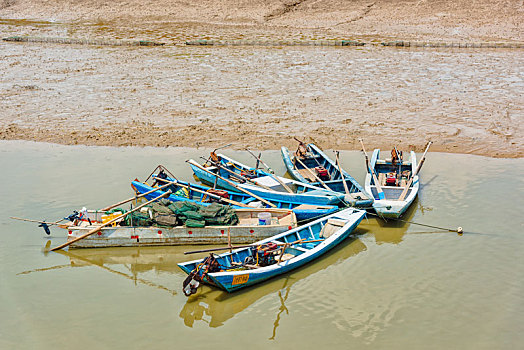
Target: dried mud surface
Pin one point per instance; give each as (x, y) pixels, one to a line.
(466, 101)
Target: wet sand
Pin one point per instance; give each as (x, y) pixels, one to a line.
(465, 100)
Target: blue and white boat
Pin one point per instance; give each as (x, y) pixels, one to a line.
(393, 177)
(272, 256)
(272, 189)
(317, 165)
(185, 191)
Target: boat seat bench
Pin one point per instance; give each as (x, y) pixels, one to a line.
(331, 226)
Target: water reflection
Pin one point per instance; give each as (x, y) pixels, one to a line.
(281, 309)
(390, 231)
(216, 307)
(136, 260)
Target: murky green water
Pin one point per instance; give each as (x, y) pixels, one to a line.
(393, 286)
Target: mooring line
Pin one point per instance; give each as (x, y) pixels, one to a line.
(458, 230)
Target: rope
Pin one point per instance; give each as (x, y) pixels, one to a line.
(458, 230)
(249, 171)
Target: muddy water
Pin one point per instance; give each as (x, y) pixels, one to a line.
(392, 286)
(466, 101)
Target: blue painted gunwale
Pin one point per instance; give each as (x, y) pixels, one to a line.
(336, 182)
(304, 193)
(300, 213)
(310, 252)
(391, 208)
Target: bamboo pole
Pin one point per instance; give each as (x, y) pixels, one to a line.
(218, 165)
(227, 200)
(95, 230)
(135, 197)
(312, 173)
(38, 221)
(271, 172)
(381, 194)
(342, 174)
(232, 184)
(405, 192)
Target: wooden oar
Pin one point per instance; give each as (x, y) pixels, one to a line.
(135, 197)
(312, 173)
(95, 230)
(226, 200)
(271, 172)
(250, 245)
(342, 174)
(406, 189)
(232, 184)
(381, 194)
(254, 182)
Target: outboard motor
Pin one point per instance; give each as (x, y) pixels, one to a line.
(266, 254)
(191, 283)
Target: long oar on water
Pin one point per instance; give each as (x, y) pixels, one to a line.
(381, 194)
(95, 230)
(226, 200)
(271, 172)
(406, 189)
(231, 183)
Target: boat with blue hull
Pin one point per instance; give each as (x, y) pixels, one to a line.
(393, 176)
(273, 256)
(263, 184)
(185, 191)
(315, 165)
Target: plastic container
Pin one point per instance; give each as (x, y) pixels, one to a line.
(264, 218)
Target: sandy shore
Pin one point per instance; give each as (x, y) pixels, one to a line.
(466, 101)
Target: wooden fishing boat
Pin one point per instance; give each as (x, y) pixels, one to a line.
(265, 185)
(393, 177)
(196, 193)
(246, 231)
(314, 165)
(258, 262)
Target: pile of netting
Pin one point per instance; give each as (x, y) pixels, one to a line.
(165, 213)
